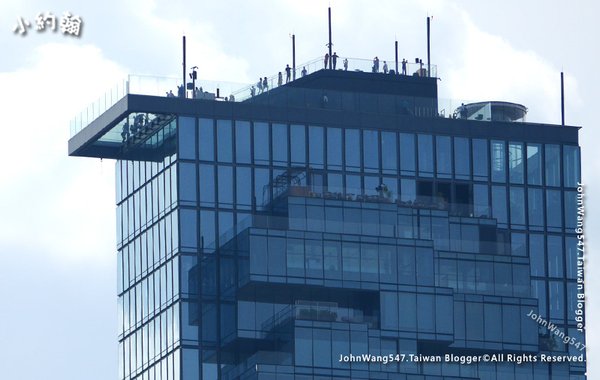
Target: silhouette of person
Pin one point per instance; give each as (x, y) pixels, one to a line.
(252, 91)
(375, 64)
(279, 79)
(385, 67)
(265, 84)
(304, 71)
(326, 60)
(404, 66)
(334, 58)
(260, 86)
(288, 72)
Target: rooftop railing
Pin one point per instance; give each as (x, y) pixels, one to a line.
(229, 91)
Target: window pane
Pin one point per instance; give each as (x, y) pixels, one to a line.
(571, 165)
(206, 140)
(499, 210)
(553, 208)
(461, 158)
(389, 158)
(225, 189)
(243, 188)
(515, 162)
(280, 146)
(517, 205)
(187, 183)
(536, 207)
(352, 151)
(498, 163)
(370, 151)
(207, 185)
(315, 147)
(224, 141)
(534, 164)
(187, 138)
(425, 155)
(242, 142)
(334, 148)
(537, 260)
(261, 143)
(298, 144)
(407, 153)
(555, 256)
(262, 192)
(480, 159)
(443, 156)
(552, 165)
(481, 203)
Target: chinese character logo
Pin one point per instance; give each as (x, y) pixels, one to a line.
(70, 25)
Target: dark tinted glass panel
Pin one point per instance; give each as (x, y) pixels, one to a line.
(553, 209)
(261, 143)
(552, 165)
(315, 147)
(206, 140)
(570, 209)
(517, 206)
(571, 165)
(556, 301)
(370, 151)
(536, 207)
(242, 142)
(243, 187)
(389, 159)
(352, 150)
(407, 153)
(443, 156)
(555, 255)
(225, 190)
(480, 159)
(408, 192)
(537, 257)
(188, 228)
(499, 209)
(334, 183)
(425, 151)
(280, 144)
(224, 141)
(298, 144)
(207, 185)
(262, 192)
(498, 164)
(187, 183)
(334, 148)
(481, 203)
(207, 229)
(462, 162)
(187, 138)
(516, 163)
(534, 164)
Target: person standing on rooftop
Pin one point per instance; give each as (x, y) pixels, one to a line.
(385, 67)
(265, 84)
(288, 71)
(326, 60)
(334, 58)
(345, 64)
(403, 66)
(279, 79)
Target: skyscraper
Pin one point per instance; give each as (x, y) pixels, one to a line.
(291, 232)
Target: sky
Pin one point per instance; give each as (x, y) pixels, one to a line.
(58, 304)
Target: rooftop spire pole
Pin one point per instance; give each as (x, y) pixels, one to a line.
(562, 98)
(330, 44)
(294, 56)
(396, 57)
(184, 65)
(428, 51)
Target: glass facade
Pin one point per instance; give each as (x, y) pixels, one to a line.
(268, 247)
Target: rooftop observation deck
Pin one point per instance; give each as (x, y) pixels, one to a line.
(137, 119)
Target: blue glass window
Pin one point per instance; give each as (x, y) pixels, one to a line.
(555, 255)
(314, 258)
(571, 256)
(369, 263)
(242, 142)
(298, 144)
(481, 203)
(187, 184)
(571, 165)
(224, 141)
(243, 188)
(407, 154)
(556, 301)
(352, 150)
(261, 144)
(187, 138)
(552, 165)
(408, 192)
(537, 255)
(370, 151)
(188, 228)
(207, 185)
(538, 290)
(516, 163)
(334, 148)
(315, 147)
(517, 205)
(389, 159)
(443, 156)
(535, 207)
(353, 185)
(332, 251)
(295, 257)
(206, 140)
(388, 266)
(280, 144)
(351, 261)
(499, 209)
(334, 183)
(462, 162)
(570, 209)
(276, 248)
(225, 189)
(425, 152)
(534, 164)
(207, 229)
(553, 209)
(407, 317)
(262, 192)
(498, 164)
(480, 160)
